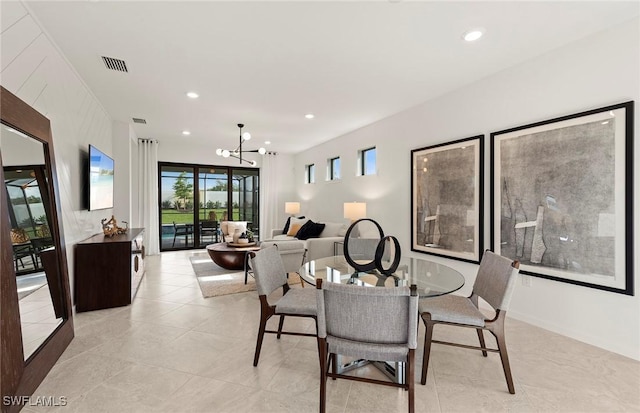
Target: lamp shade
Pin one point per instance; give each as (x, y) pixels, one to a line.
(355, 210)
(292, 207)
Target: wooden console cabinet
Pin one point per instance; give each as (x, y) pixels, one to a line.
(108, 270)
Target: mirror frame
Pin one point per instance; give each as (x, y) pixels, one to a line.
(20, 377)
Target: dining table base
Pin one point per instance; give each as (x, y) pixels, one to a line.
(392, 369)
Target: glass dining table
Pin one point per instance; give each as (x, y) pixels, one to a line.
(432, 279)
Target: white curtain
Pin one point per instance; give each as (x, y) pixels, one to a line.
(268, 195)
(148, 205)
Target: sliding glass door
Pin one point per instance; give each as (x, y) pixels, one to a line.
(194, 199)
(177, 206)
(245, 198)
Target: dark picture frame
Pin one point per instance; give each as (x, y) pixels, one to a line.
(447, 201)
(562, 195)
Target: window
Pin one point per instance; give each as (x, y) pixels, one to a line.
(333, 169)
(367, 161)
(310, 173)
(196, 196)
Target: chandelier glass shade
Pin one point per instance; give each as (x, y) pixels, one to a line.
(237, 153)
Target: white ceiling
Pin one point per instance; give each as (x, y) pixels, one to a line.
(267, 64)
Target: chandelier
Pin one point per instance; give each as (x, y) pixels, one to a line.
(237, 153)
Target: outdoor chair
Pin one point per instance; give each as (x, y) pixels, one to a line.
(270, 275)
(372, 323)
(209, 229)
(494, 284)
(180, 230)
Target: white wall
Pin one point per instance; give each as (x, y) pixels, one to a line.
(597, 71)
(35, 71)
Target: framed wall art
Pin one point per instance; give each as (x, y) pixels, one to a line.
(447, 199)
(561, 198)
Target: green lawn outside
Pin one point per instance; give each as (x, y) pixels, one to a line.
(169, 216)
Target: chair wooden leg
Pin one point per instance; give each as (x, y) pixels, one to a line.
(322, 349)
(280, 324)
(263, 325)
(334, 365)
(502, 346)
(410, 379)
(481, 338)
(427, 349)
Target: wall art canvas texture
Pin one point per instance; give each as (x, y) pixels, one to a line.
(446, 205)
(561, 198)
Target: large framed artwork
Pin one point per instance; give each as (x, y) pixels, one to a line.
(447, 199)
(561, 198)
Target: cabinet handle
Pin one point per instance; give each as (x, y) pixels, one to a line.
(143, 252)
(135, 264)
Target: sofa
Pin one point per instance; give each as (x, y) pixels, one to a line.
(321, 246)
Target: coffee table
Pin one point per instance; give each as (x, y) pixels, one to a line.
(228, 257)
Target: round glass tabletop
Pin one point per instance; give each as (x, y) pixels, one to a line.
(432, 279)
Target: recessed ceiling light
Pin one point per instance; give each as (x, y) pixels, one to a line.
(309, 116)
(193, 95)
(186, 132)
(267, 142)
(472, 35)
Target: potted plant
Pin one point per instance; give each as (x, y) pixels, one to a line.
(243, 238)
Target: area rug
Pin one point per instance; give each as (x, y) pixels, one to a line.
(215, 280)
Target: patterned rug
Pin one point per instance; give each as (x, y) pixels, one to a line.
(215, 280)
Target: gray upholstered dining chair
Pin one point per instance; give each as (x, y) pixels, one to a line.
(270, 275)
(494, 284)
(378, 324)
(293, 254)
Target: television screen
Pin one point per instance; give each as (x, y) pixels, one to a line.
(100, 180)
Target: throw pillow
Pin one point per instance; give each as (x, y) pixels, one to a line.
(286, 226)
(343, 230)
(295, 225)
(310, 230)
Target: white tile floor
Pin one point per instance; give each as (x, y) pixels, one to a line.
(37, 317)
(174, 351)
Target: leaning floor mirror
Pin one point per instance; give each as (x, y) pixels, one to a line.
(36, 307)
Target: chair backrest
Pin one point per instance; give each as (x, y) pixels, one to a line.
(208, 225)
(496, 279)
(363, 248)
(377, 315)
(292, 253)
(268, 270)
(229, 227)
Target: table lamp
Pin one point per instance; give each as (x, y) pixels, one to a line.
(292, 208)
(355, 210)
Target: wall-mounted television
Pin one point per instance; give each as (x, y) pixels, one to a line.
(100, 179)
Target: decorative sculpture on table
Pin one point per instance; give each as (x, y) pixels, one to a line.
(366, 249)
(111, 228)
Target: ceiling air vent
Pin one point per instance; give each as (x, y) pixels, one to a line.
(115, 64)
(138, 120)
